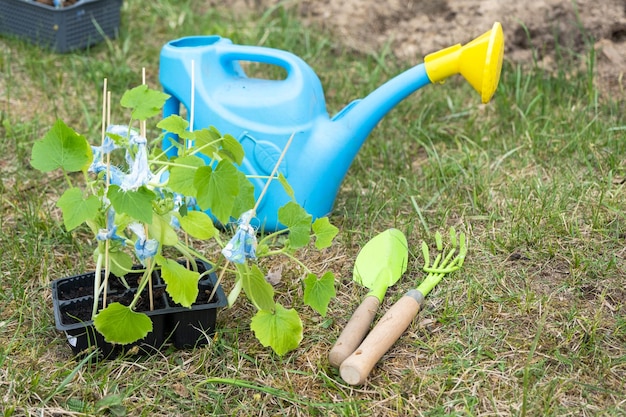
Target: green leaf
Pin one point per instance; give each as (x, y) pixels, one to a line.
(144, 101)
(231, 149)
(207, 140)
(325, 232)
(137, 204)
(198, 224)
(257, 289)
(319, 292)
(121, 141)
(182, 177)
(62, 148)
(77, 209)
(176, 125)
(161, 230)
(119, 262)
(279, 328)
(182, 284)
(283, 181)
(245, 197)
(298, 221)
(120, 324)
(217, 189)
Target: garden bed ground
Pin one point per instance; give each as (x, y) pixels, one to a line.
(415, 28)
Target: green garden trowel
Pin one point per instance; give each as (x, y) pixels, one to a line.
(379, 265)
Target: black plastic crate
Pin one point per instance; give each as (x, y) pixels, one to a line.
(77, 26)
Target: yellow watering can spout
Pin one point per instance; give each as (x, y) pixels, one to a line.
(479, 62)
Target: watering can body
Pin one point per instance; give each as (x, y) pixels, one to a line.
(264, 113)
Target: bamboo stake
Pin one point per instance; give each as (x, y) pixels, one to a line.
(192, 106)
(96, 289)
(106, 121)
(143, 133)
(192, 111)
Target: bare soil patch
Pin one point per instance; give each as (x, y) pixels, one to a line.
(414, 28)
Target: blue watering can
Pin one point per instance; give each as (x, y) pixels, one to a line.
(264, 113)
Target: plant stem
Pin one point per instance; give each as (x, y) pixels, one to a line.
(106, 273)
(291, 257)
(68, 179)
(190, 254)
(149, 267)
(271, 236)
(142, 285)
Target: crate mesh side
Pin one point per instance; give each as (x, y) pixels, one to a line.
(83, 26)
(29, 22)
(61, 29)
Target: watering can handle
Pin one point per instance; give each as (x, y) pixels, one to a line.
(355, 331)
(355, 369)
(293, 65)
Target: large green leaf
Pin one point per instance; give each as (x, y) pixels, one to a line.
(62, 148)
(182, 284)
(231, 149)
(257, 289)
(161, 230)
(77, 209)
(144, 101)
(182, 175)
(120, 324)
(198, 224)
(279, 328)
(319, 292)
(137, 204)
(217, 189)
(325, 232)
(298, 221)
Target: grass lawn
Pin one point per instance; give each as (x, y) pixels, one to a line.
(533, 325)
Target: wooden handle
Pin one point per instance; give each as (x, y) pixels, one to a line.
(354, 332)
(355, 369)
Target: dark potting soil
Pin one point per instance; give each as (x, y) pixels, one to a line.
(75, 292)
(79, 312)
(70, 291)
(144, 301)
(203, 297)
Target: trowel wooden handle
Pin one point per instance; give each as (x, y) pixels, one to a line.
(354, 332)
(355, 369)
